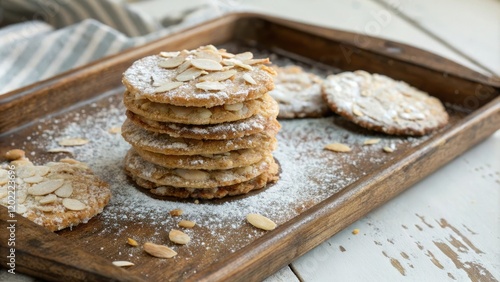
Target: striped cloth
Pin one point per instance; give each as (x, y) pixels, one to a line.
(72, 33)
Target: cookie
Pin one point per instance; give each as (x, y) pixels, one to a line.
(232, 159)
(380, 103)
(226, 130)
(259, 182)
(298, 93)
(205, 77)
(57, 195)
(195, 115)
(193, 178)
(168, 145)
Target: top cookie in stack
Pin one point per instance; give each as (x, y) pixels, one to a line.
(201, 123)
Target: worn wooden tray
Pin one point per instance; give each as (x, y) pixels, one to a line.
(338, 190)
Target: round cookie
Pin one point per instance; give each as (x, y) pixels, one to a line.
(259, 182)
(380, 103)
(58, 195)
(205, 77)
(195, 115)
(192, 178)
(165, 144)
(298, 93)
(226, 130)
(232, 159)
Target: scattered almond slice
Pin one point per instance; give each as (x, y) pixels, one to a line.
(46, 187)
(73, 204)
(338, 147)
(233, 107)
(132, 242)
(169, 54)
(242, 65)
(218, 76)
(50, 198)
(73, 142)
(193, 175)
(257, 61)
(168, 86)
(122, 263)
(20, 209)
(184, 66)
(261, 221)
(15, 154)
(115, 130)
(176, 212)
(159, 251)
(60, 150)
(34, 179)
(244, 56)
(65, 190)
(248, 78)
(225, 54)
(210, 55)
(172, 62)
(45, 208)
(189, 74)
(178, 237)
(206, 64)
(388, 149)
(357, 112)
(371, 141)
(186, 224)
(210, 85)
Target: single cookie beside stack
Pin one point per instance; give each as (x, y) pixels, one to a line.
(201, 123)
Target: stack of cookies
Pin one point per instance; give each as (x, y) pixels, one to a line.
(201, 123)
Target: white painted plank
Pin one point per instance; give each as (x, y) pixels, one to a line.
(415, 237)
(366, 17)
(283, 275)
(473, 27)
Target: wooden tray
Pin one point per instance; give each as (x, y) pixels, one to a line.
(337, 191)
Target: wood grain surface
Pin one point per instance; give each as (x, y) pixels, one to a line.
(474, 107)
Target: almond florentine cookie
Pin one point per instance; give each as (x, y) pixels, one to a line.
(56, 195)
(380, 103)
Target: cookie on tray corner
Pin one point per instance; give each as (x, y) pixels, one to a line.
(56, 195)
(380, 103)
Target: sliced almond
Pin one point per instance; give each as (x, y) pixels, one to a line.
(122, 263)
(176, 212)
(371, 141)
(20, 209)
(73, 204)
(115, 130)
(41, 170)
(132, 242)
(34, 179)
(193, 175)
(206, 64)
(45, 208)
(172, 62)
(338, 147)
(228, 62)
(388, 149)
(244, 56)
(210, 55)
(21, 162)
(184, 66)
(257, 61)
(261, 221)
(45, 187)
(15, 154)
(233, 107)
(225, 54)
(21, 196)
(65, 190)
(218, 76)
(26, 171)
(186, 224)
(178, 237)
(210, 85)
(169, 54)
(60, 150)
(248, 78)
(167, 86)
(243, 65)
(203, 113)
(159, 251)
(73, 142)
(357, 112)
(50, 198)
(189, 74)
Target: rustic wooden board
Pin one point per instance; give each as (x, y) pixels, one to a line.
(319, 192)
